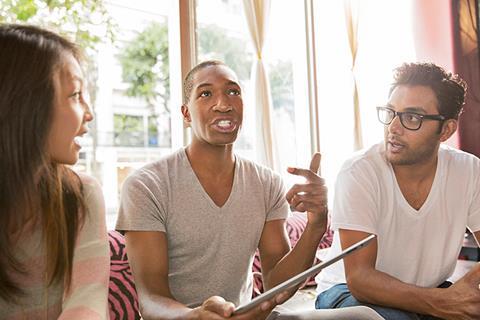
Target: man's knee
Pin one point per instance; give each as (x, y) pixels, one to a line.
(340, 297)
(337, 296)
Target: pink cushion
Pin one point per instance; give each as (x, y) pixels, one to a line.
(122, 296)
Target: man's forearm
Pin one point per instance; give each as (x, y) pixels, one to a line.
(300, 258)
(155, 307)
(381, 289)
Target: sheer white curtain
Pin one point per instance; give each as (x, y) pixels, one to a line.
(257, 13)
(352, 16)
(377, 37)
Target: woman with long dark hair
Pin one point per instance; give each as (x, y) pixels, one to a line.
(54, 260)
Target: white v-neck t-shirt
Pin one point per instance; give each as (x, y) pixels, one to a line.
(417, 247)
(210, 248)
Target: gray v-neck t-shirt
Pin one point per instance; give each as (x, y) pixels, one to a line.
(210, 248)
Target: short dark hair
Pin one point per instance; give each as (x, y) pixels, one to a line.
(449, 88)
(188, 82)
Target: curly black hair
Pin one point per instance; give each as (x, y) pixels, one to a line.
(449, 88)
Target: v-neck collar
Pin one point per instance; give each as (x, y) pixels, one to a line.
(431, 194)
(199, 186)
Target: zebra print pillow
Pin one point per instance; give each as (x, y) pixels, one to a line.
(122, 296)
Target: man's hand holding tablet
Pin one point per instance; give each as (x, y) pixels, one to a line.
(216, 308)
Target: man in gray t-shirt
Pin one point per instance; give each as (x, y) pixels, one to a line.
(194, 219)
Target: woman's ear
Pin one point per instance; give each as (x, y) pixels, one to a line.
(186, 115)
(448, 129)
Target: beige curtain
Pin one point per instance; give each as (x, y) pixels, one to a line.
(257, 13)
(351, 19)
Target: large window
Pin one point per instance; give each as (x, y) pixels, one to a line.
(136, 79)
(286, 54)
(382, 35)
(222, 34)
(136, 113)
(133, 104)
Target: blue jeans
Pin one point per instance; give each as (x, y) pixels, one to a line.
(339, 296)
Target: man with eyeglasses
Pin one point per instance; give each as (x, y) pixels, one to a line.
(418, 196)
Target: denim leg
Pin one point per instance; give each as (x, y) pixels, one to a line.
(340, 297)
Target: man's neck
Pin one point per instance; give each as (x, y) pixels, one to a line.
(415, 181)
(416, 173)
(214, 167)
(207, 159)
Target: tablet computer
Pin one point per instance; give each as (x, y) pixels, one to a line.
(295, 280)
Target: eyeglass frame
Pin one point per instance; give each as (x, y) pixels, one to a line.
(437, 117)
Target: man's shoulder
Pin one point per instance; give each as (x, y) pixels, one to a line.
(158, 168)
(371, 157)
(251, 168)
(450, 151)
(458, 158)
(250, 165)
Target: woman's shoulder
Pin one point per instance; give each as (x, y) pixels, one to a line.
(87, 180)
(94, 223)
(92, 193)
(89, 184)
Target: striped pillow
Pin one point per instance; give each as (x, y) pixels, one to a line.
(122, 296)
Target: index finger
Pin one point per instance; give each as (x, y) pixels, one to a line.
(315, 163)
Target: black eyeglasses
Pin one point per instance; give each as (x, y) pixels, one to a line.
(409, 120)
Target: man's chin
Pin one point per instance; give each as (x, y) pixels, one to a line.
(396, 159)
(400, 161)
(226, 140)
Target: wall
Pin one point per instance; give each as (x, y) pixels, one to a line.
(433, 37)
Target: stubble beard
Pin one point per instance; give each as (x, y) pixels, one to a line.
(411, 157)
